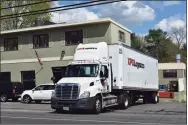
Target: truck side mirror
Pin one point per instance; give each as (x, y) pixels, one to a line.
(101, 74)
(53, 79)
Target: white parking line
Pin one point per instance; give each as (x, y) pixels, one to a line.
(77, 120)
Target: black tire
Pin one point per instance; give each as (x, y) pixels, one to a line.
(27, 99)
(14, 99)
(155, 98)
(124, 101)
(97, 108)
(38, 101)
(4, 98)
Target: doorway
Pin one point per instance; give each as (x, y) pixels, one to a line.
(28, 79)
(173, 86)
(58, 73)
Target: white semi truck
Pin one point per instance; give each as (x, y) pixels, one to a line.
(102, 75)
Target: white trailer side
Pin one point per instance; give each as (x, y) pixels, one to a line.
(141, 76)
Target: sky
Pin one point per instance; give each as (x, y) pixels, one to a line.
(138, 16)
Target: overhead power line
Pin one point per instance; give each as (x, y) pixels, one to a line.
(74, 6)
(52, 8)
(26, 4)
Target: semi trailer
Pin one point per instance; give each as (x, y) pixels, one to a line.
(102, 75)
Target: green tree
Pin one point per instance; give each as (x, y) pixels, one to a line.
(138, 43)
(184, 53)
(24, 21)
(158, 42)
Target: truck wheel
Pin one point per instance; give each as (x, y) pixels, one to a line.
(27, 99)
(155, 98)
(97, 105)
(38, 101)
(4, 98)
(124, 103)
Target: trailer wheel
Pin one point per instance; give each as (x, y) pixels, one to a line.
(97, 105)
(155, 98)
(124, 101)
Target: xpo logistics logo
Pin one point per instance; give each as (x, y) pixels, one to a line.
(135, 64)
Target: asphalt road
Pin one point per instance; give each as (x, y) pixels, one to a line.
(167, 113)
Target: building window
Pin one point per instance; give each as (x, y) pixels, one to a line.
(40, 41)
(170, 73)
(73, 37)
(121, 36)
(5, 76)
(11, 44)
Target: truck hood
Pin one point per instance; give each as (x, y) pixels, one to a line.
(79, 80)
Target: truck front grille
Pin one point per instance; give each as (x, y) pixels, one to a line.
(67, 91)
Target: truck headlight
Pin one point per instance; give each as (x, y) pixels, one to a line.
(53, 94)
(85, 95)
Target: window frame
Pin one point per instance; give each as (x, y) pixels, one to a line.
(39, 43)
(15, 43)
(49, 87)
(5, 76)
(80, 36)
(36, 89)
(121, 34)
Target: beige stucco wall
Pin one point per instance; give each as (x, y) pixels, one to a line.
(114, 30)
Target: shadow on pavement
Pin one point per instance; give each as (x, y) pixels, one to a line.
(82, 112)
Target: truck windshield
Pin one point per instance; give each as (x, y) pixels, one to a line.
(82, 70)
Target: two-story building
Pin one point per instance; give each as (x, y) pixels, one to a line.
(55, 45)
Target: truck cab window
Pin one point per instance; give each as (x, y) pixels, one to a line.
(82, 70)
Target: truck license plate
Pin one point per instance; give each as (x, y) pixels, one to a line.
(66, 108)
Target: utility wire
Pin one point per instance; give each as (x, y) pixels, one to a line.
(53, 8)
(26, 4)
(49, 10)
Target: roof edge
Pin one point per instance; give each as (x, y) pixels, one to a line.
(101, 20)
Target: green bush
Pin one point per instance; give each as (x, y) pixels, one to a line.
(183, 101)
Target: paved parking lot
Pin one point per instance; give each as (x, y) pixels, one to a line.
(163, 113)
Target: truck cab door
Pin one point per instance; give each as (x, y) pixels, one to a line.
(105, 78)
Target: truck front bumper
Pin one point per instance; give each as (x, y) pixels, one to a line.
(85, 104)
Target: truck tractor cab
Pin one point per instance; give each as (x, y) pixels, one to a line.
(86, 79)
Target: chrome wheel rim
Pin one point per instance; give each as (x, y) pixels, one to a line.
(3, 98)
(26, 99)
(126, 102)
(156, 99)
(98, 106)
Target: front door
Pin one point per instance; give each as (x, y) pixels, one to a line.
(106, 83)
(173, 86)
(38, 92)
(28, 79)
(47, 92)
(58, 73)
